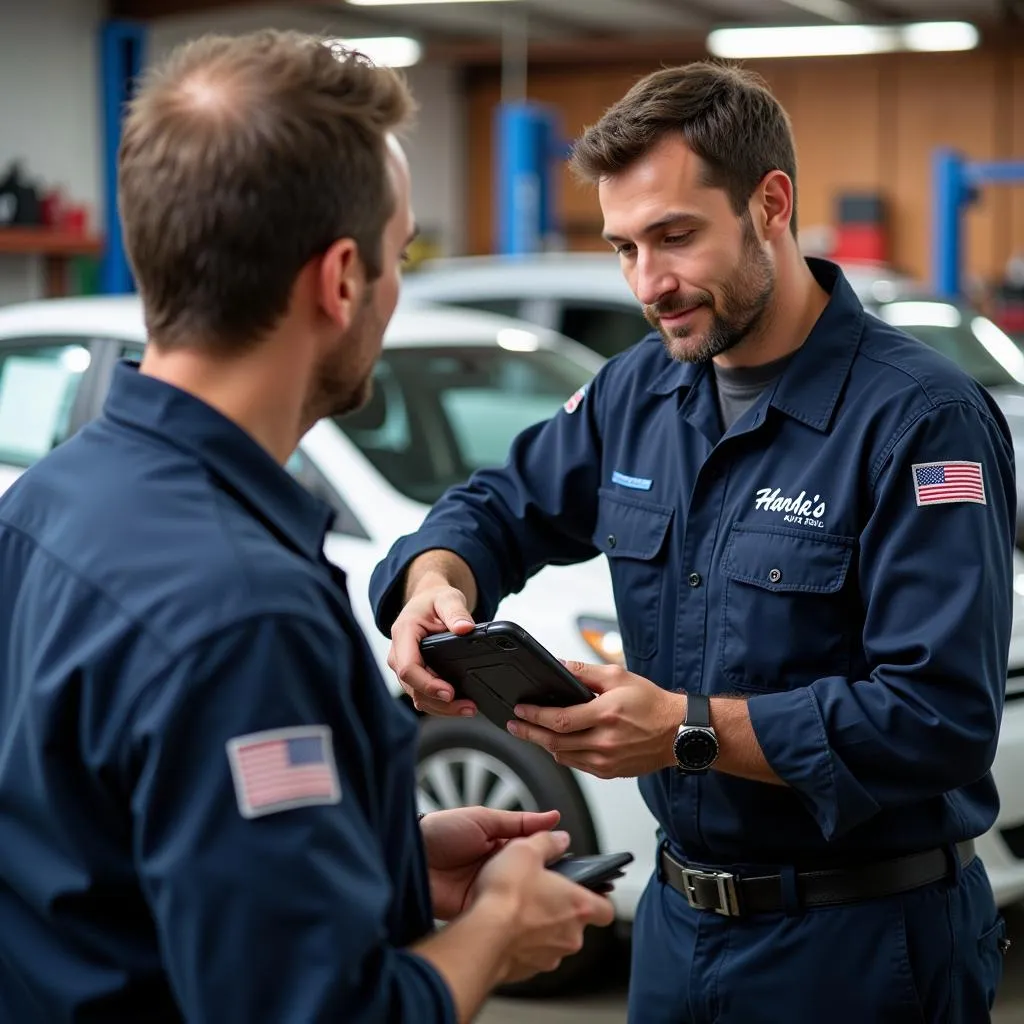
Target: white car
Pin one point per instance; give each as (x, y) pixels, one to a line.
(452, 389)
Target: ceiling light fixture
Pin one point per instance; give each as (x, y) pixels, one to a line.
(386, 51)
(403, 3)
(841, 40)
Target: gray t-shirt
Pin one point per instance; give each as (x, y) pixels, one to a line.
(738, 387)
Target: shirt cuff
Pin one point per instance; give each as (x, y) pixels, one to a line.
(791, 732)
(387, 584)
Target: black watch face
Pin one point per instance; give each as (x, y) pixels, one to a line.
(696, 749)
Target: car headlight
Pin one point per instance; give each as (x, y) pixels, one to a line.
(603, 638)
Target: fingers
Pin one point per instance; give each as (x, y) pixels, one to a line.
(516, 824)
(550, 845)
(601, 911)
(551, 741)
(595, 677)
(451, 610)
(560, 720)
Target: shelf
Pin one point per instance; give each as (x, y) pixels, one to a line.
(40, 241)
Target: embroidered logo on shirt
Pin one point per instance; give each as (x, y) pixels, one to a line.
(638, 483)
(942, 483)
(575, 399)
(801, 510)
(280, 769)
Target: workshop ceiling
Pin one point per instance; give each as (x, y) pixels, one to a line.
(457, 27)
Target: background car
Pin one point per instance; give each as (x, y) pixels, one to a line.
(452, 389)
(585, 297)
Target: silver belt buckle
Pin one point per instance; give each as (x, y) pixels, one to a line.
(728, 896)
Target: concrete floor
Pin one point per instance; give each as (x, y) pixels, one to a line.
(609, 1006)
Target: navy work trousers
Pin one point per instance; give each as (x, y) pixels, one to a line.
(927, 956)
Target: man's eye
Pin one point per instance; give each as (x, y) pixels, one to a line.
(625, 249)
(680, 239)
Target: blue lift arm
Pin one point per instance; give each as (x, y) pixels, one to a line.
(955, 182)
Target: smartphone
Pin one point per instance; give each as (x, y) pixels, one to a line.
(499, 665)
(593, 872)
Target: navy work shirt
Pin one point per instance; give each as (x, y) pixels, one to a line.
(207, 804)
(841, 557)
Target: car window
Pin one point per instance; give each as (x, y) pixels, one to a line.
(607, 329)
(302, 469)
(439, 413)
(39, 381)
(973, 342)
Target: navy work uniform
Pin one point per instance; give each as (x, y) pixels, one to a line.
(207, 803)
(841, 556)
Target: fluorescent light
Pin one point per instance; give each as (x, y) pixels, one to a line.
(403, 3)
(840, 40)
(386, 51)
(921, 314)
(936, 36)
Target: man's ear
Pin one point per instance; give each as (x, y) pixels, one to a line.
(342, 282)
(771, 205)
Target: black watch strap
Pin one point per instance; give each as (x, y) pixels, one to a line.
(698, 710)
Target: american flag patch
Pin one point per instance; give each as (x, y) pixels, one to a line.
(941, 483)
(283, 768)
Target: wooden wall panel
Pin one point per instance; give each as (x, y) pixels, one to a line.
(1015, 136)
(860, 123)
(955, 106)
(835, 108)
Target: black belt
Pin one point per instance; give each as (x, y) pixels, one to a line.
(737, 895)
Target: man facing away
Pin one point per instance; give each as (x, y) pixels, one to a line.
(809, 521)
(207, 796)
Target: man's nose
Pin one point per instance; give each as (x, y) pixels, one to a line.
(652, 281)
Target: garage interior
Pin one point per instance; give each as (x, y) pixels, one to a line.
(910, 144)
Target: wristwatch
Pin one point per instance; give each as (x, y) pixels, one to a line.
(696, 745)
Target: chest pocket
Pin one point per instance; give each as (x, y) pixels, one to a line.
(789, 608)
(632, 534)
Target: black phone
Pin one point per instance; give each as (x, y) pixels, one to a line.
(499, 665)
(592, 872)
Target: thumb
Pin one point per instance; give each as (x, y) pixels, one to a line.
(550, 845)
(451, 610)
(514, 824)
(593, 677)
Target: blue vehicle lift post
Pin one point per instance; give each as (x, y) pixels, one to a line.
(527, 147)
(955, 182)
(122, 50)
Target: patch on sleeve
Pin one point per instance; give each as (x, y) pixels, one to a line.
(280, 769)
(942, 483)
(575, 399)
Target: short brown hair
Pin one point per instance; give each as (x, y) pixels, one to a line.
(726, 115)
(241, 159)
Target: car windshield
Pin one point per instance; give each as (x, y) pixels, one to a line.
(972, 341)
(439, 413)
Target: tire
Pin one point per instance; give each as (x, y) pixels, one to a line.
(512, 775)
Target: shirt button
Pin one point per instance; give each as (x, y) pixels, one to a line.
(611, 540)
(775, 575)
(694, 579)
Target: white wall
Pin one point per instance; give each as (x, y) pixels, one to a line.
(50, 109)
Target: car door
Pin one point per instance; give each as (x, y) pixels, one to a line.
(45, 386)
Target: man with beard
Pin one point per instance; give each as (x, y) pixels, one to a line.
(207, 795)
(808, 518)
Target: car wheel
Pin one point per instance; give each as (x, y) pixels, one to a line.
(465, 762)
